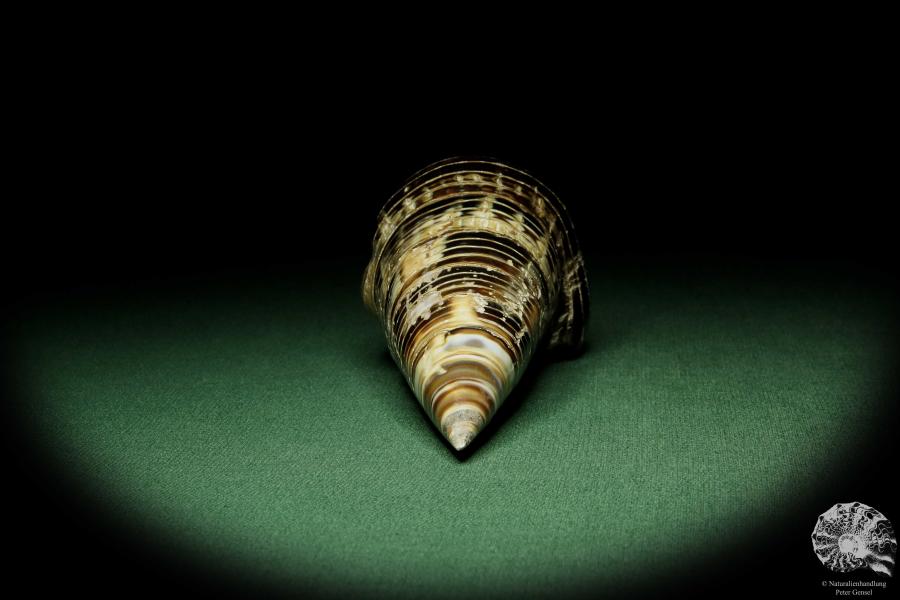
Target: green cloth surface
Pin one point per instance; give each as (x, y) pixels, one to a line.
(260, 427)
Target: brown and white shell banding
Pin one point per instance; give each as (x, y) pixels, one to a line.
(475, 263)
(851, 536)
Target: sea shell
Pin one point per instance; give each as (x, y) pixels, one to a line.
(851, 536)
(474, 265)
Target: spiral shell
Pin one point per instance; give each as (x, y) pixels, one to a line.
(851, 536)
(475, 263)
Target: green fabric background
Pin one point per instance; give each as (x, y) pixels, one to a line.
(260, 427)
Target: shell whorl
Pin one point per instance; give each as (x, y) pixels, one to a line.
(474, 264)
(851, 536)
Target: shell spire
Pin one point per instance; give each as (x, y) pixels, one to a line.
(475, 263)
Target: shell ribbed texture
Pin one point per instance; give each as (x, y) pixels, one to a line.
(474, 264)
